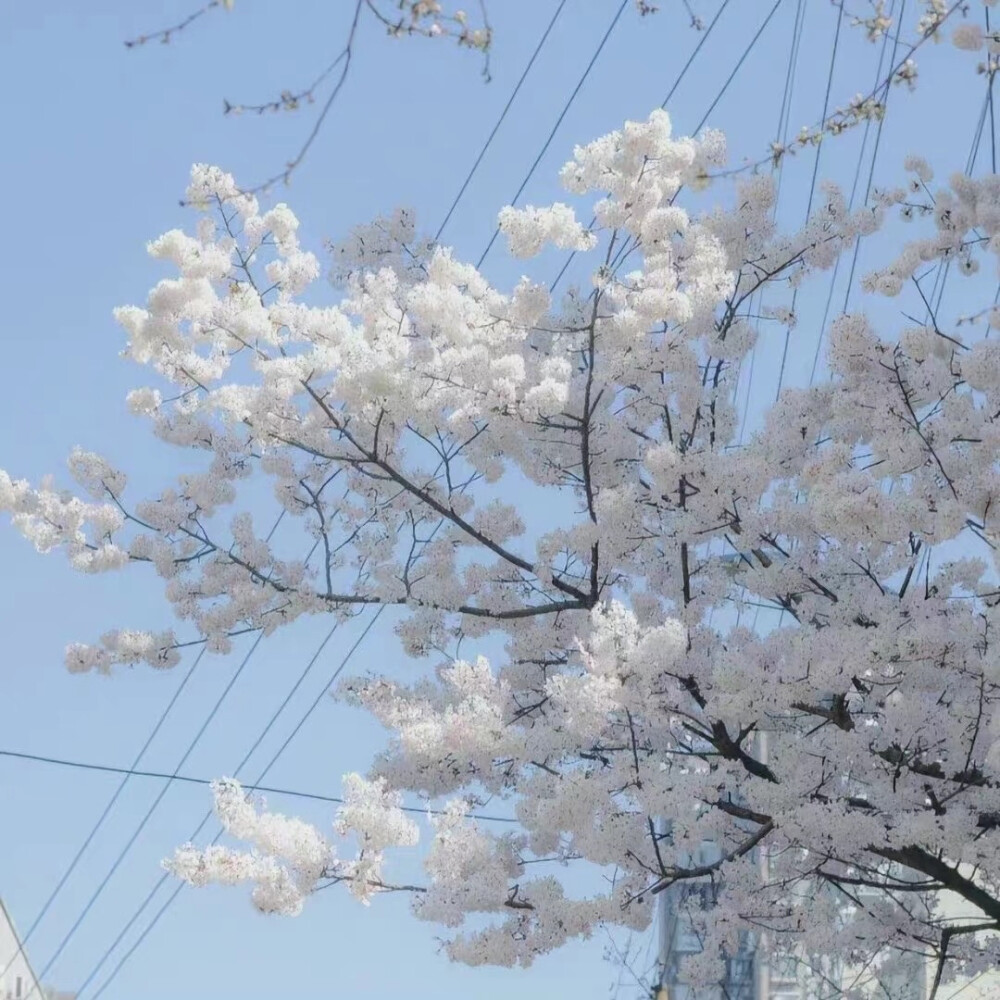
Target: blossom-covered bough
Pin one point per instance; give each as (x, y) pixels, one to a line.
(843, 761)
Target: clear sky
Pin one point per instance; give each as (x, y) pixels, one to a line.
(99, 142)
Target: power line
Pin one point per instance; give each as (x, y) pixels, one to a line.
(127, 772)
(883, 83)
(812, 188)
(694, 54)
(718, 97)
(119, 860)
(323, 692)
(190, 779)
(943, 268)
(850, 205)
(558, 122)
(778, 171)
(993, 122)
(739, 63)
(208, 815)
(871, 171)
(46, 906)
(499, 121)
(123, 853)
(785, 115)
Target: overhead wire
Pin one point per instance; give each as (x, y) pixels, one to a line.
(941, 272)
(728, 82)
(323, 692)
(993, 150)
(123, 853)
(82, 765)
(778, 171)
(991, 74)
(109, 806)
(99, 823)
(694, 54)
(943, 268)
(499, 121)
(739, 63)
(871, 171)
(558, 122)
(785, 112)
(812, 185)
(882, 83)
(850, 204)
(878, 136)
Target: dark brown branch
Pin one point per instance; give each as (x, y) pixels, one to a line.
(165, 34)
(446, 512)
(927, 864)
(701, 871)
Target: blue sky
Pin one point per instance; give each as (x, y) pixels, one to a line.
(100, 140)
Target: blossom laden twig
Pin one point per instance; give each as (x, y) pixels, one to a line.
(166, 35)
(424, 18)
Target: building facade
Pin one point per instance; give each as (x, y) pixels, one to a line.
(751, 975)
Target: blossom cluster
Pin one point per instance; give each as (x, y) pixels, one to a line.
(637, 713)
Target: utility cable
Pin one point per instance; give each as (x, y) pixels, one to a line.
(812, 188)
(558, 122)
(850, 204)
(739, 63)
(777, 171)
(192, 780)
(323, 692)
(47, 905)
(871, 171)
(127, 772)
(499, 121)
(123, 853)
(558, 278)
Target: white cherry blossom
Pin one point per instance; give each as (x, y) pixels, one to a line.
(422, 427)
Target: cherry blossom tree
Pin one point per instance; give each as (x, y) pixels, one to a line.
(843, 762)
